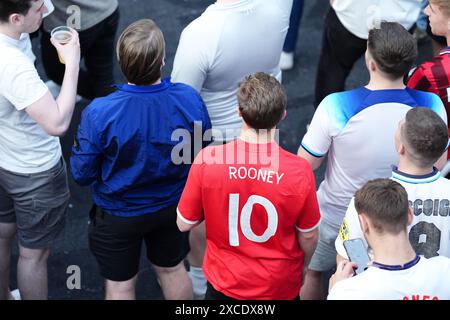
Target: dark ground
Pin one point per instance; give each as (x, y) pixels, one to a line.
(172, 16)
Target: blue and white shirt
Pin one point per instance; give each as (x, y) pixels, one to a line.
(429, 198)
(356, 130)
(125, 144)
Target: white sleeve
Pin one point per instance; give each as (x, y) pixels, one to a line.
(318, 138)
(350, 229)
(191, 64)
(20, 83)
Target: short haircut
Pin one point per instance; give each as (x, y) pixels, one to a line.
(141, 51)
(444, 5)
(425, 136)
(262, 101)
(9, 7)
(385, 203)
(393, 48)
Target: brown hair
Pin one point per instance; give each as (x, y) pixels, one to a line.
(9, 7)
(393, 49)
(444, 5)
(425, 136)
(141, 51)
(262, 101)
(385, 203)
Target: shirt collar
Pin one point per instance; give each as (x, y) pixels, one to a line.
(405, 266)
(165, 83)
(445, 51)
(415, 179)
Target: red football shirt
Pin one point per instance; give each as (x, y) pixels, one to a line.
(434, 76)
(252, 198)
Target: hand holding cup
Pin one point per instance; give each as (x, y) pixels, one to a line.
(67, 43)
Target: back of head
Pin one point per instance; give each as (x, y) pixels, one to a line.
(393, 48)
(385, 203)
(425, 136)
(262, 101)
(9, 7)
(141, 51)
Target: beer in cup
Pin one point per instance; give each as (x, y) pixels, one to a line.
(62, 35)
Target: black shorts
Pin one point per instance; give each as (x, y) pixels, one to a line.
(116, 242)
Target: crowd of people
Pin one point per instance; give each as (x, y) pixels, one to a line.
(190, 165)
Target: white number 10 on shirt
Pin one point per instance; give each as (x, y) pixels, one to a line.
(246, 215)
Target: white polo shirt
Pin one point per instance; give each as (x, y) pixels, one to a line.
(24, 146)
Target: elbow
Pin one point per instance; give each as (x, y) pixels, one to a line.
(57, 131)
(183, 227)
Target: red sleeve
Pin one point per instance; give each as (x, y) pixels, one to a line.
(309, 218)
(419, 81)
(190, 207)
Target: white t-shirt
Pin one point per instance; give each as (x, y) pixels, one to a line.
(24, 146)
(428, 279)
(429, 198)
(224, 45)
(356, 130)
(359, 16)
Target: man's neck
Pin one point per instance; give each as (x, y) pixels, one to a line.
(406, 166)
(261, 136)
(378, 82)
(392, 249)
(7, 31)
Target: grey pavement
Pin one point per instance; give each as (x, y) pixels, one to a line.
(172, 16)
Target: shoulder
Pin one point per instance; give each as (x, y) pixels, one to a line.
(203, 25)
(428, 100)
(182, 88)
(340, 107)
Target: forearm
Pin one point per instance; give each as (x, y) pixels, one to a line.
(67, 97)
(308, 243)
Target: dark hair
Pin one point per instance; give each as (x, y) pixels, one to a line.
(425, 136)
(385, 203)
(262, 101)
(393, 48)
(9, 7)
(140, 51)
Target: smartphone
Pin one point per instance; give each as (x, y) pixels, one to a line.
(357, 252)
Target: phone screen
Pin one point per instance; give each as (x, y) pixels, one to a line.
(357, 252)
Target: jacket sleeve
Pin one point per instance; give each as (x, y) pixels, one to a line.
(85, 162)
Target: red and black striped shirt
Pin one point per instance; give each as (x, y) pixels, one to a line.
(434, 76)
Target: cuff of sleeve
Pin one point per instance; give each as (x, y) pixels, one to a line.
(30, 101)
(310, 229)
(186, 220)
(314, 154)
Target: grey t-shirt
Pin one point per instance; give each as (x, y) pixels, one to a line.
(91, 12)
(224, 45)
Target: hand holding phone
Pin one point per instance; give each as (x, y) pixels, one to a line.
(357, 253)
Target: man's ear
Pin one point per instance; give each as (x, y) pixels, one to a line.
(284, 115)
(364, 223)
(401, 148)
(410, 216)
(239, 112)
(15, 19)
